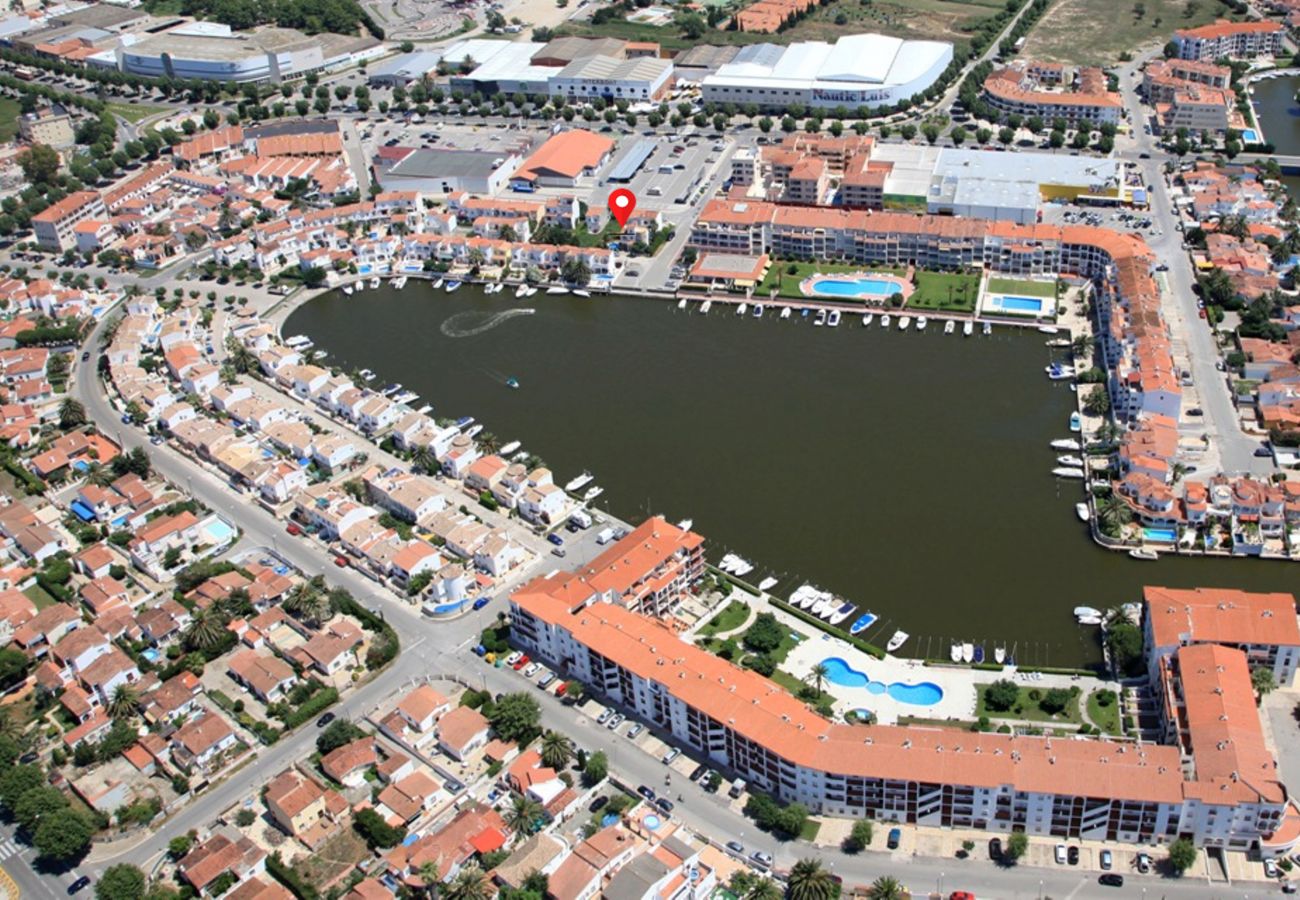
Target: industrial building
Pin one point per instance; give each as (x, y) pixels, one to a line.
(404, 69)
(577, 68)
(857, 70)
(562, 160)
(642, 79)
(447, 171)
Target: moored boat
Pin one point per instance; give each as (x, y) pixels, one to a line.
(1066, 444)
(1081, 510)
(1076, 422)
(509, 448)
(681, 304)
(1069, 460)
(557, 290)
(979, 653)
(347, 289)
(1086, 611)
(862, 622)
(949, 327)
(708, 305)
(884, 321)
(866, 319)
(582, 294)
(685, 524)
(999, 654)
(592, 494)
(967, 652)
(904, 322)
(1068, 472)
(841, 614)
(740, 310)
(785, 312)
(451, 286)
(968, 329)
(1143, 553)
(758, 311)
(988, 328)
(955, 652)
(896, 640)
(833, 319)
(921, 323)
(767, 584)
(520, 291)
(580, 482)
(820, 318)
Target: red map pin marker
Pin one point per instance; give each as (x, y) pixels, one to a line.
(621, 204)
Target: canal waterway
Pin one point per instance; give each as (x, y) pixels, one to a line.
(908, 472)
(1279, 113)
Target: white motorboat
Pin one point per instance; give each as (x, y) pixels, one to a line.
(1066, 444)
(743, 566)
(1059, 373)
(437, 284)
(1089, 620)
(681, 304)
(785, 312)
(586, 294)
(1076, 422)
(758, 311)
(708, 305)
(1047, 329)
(509, 448)
(474, 429)
(884, 321)
(968, 329)
(1081, 510)
(767, 584)
(592, 494)
(967, 652)
(1144, 553)
(921, 323)
(949, 327)
(955, 651)
(298, 341)
(425, 409)
(367, 375)
(866, 319)
(557, 290)
(898, 639)
(803, 596)
(999, 654)
(400, 283)
(685, 524)
(531, 291)
(740, 310)
(841, 614)
(1069, 472)
(833, 319)
(520, 456)
(1069, 460)
(522, 290)
(452, 286)
(904, 322)
(580, 482)
(988, 328)
(825, 603)
(1086, 611)
(1058, 342)
(347, 289)
(374, 282)
(820, 318)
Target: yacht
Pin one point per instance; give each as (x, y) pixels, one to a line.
(405, 397)
(391, 389)
(592, 494)
(955, 651)
(347, 289)
(862, 622)
(1066, 444)
(1081, 611)
(767, 584)
(921, 323)
(866, 319)
(803, 596)
(833, 320)
(685, 524)
(580, 482)
(1144, 553)
(999, 654)
(297, 341)
(988, 328)
(821, 317)
(785, 312)
(586, 294)
(1089, 620)
(522, 290)
(681, 304)
(740, 310)
(968, 329)
(437, 284)
(1058, 342)
(509, 448)
(758, 311)
(531, 291)
(841, 614)
(475, 429)
(967, 652)
(904, 322)
(708, 305)
(1081, 510)
(1047, 329)
(884, 321)
(949, 327)
(825, 603)
(898, 639)
(743, 566)
(557, 290)
(451, 286)
(1076, 422)
(1069, 460)
(1069, 472)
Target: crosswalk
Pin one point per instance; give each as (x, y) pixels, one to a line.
(8, 848)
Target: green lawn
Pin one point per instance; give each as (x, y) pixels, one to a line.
(1022, 288)
(731, 617)
(1104, 717)
(9, 111)
(40, 597)
(134, 112)
(809, 831)
(949, 291)
(779, 275)
(1027, 708)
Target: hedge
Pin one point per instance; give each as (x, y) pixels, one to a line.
(864, 646)
(290, 878)
(31, 484)
(317, 703)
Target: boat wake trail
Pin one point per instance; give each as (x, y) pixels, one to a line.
(472, 322)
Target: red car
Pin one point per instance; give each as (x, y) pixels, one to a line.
(559, 691)
(1201, 313)
(961, 895)
(521, 662)
(340, 562)
(293, 529)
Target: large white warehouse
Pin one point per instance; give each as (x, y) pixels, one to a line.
(857, 70)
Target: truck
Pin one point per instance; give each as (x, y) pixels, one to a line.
(605, 536)
(581, 519)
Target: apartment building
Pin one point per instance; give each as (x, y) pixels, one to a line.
(1162, 78)
(1231, 40)
(55, 226)
(1088, 789)
(1021, 89)
(1198, 109)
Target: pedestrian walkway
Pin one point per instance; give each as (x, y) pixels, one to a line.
(8, 888)
(9, 847)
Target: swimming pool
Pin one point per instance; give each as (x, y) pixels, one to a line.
(839, 672)
(857, 287)
(1250, 135)
(1033, 306)
(218, 531)
(1164, 535)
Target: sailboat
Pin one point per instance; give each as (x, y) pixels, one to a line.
(898, 639)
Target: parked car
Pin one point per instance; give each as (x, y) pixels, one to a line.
(325, 720)
(1263, 451)
(545, 680)
(521, 662)
(646, 792)
(735, 846)
(1144, 863)
(961, 895)
(341, 562)
(482, 602)
(293, 529)
(671, 755)
(480, 650)
(1111, 879)
(514, 657)
(532, 669)
(1196, 411)
(699, 772)
(1107, 861)
(80, 884)
(664, 804)
(1060, 854)
(995, 849)
(895, 837)
(604, 717)
(555, 539)
(615, 721)
(1271, 869)
(635, 730)
(763, 859)
(1072, 854)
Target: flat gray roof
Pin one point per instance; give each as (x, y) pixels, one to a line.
(293, 126)
(634, 159)
(101, 15)
(445, 164)
(410, 65)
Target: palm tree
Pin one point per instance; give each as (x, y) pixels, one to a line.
(71, 413)
(99, 475)
(764, 889)
(307, 603)
(1113, 514)
(123, 703)
(809, 881)
(206, 630)
(425, 459)
(885, 888)
(557, 750)
(818, 676)
(429, 875)
(9, 725)
(470, 883)
(489, 442)
(240, 357)
(522, 817)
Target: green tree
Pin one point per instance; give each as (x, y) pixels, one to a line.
(557, 750)
(1097, 403)
(1124, 643)
(470, 883)
(121, 882)
(38, 804)
(122, 705)
(810, 881)
(524, 815)
(1001, 695)
(765, 634)
(377, 833)
(1016, 846)
(1262, 680)
(516, 717)
(72, 414)
(1054, 701)
(206, 630)
(1182, 855)
(596, 769)
(17, 781)
(336, 734)
(859, 837)
(40, 163)
(63, 836)
(885, 888)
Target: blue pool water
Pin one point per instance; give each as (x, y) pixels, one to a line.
(1167, 535)
(219, 532)
(857, 287)
(1250, 136)
(841, 673)
(1032, 305)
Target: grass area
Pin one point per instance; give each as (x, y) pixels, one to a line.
(795, 685)
(1104, 717)
(809, 831)
(1027, 708)
(779, 276)
(1022, 288)
(164, 7)
(134, 112)
(731, 617)
(40, 596)
(9, 112)
(336, 856)
(1096, 32)
(948, 291)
